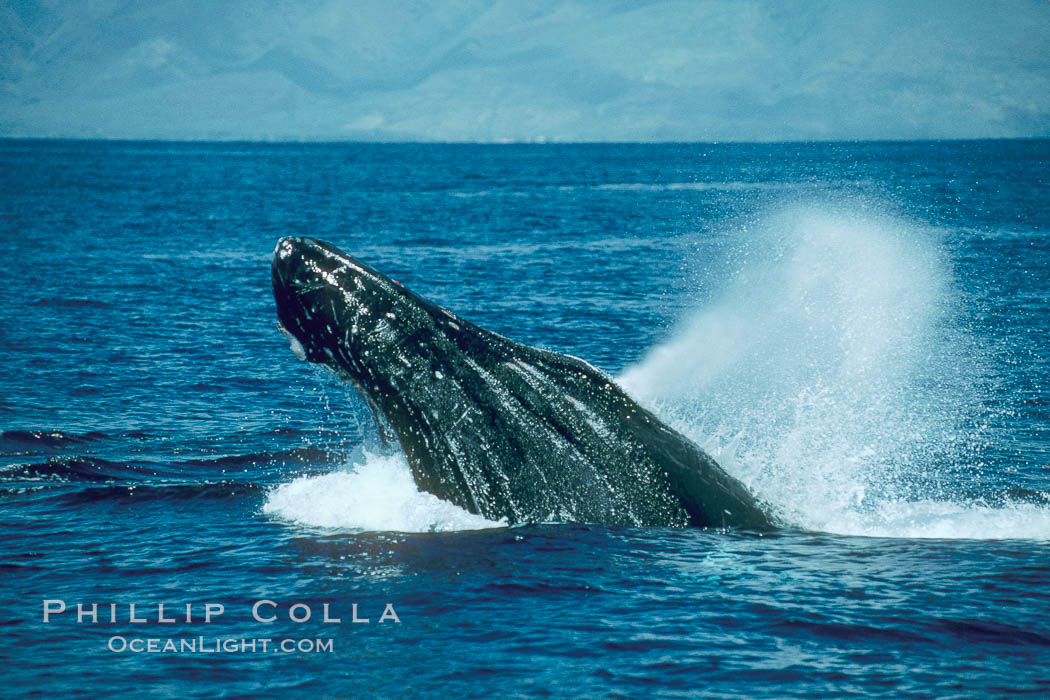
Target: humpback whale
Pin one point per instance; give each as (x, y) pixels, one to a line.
(499, 428)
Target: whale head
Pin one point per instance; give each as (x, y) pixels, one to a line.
(342, 314)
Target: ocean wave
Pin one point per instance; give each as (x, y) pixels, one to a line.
(90, 469)
(64, 303)
(21, 439)
(77, 469)
(298, 455)
(175, 492)
(734, 186)
(37, 441)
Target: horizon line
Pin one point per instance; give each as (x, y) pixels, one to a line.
(420, 142)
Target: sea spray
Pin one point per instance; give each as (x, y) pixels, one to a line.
(831, 374)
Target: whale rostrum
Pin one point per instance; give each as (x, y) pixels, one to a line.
(498, 428)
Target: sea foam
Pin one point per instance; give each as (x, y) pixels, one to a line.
(372, 492)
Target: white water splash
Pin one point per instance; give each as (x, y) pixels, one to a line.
(829, 376)
(374, 493)
(943, 520)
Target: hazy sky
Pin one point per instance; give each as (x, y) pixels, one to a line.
(525, 70)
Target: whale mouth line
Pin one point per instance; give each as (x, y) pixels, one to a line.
(293, 343)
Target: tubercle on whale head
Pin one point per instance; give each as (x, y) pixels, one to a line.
(342, 314)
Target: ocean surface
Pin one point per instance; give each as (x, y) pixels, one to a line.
(860, 332)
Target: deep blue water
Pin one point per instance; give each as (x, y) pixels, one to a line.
(860, 332)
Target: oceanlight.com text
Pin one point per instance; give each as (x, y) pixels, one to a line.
(218, 645)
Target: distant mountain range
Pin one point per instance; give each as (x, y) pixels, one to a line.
(543, 70)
